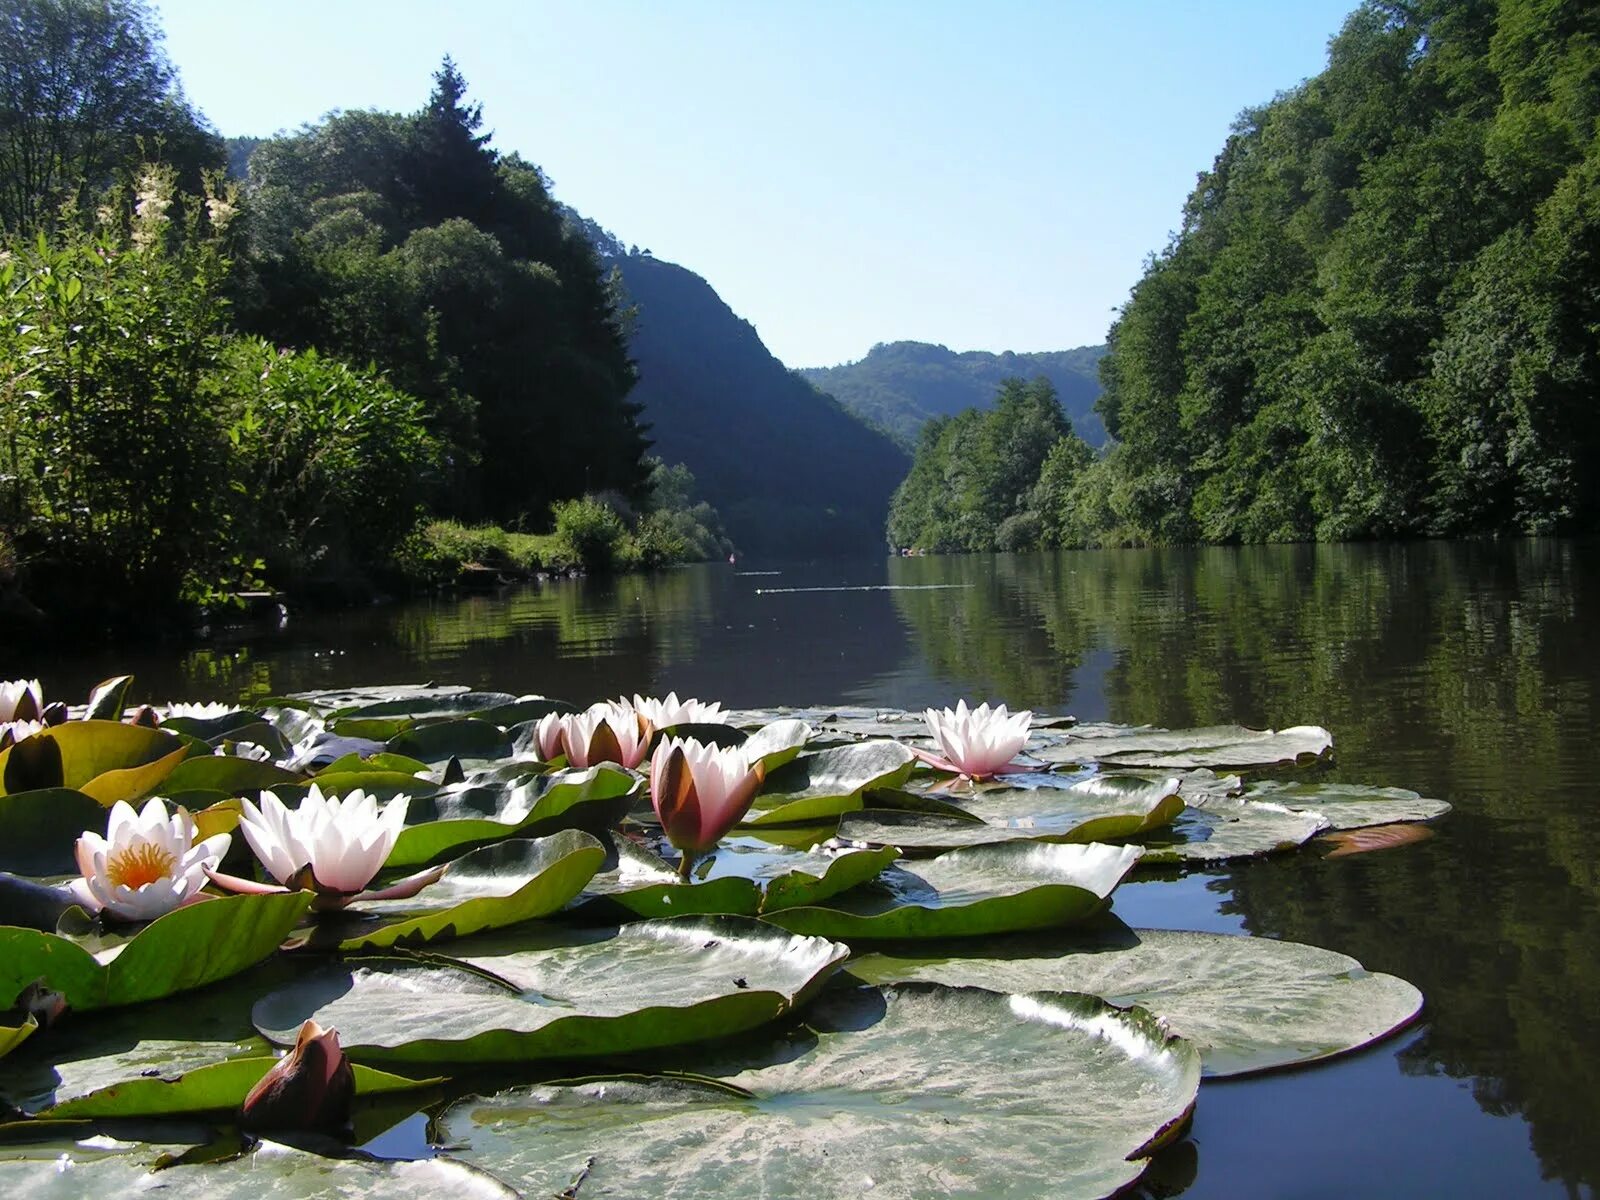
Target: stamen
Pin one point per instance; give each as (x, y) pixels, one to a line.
(136, 866)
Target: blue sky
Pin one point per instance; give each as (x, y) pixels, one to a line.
(986, 176)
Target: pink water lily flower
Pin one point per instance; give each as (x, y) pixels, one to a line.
(700, 792)
(147, 864)
(330, 846)
(607, 732)
(21, 700)
(978, 742)
(547, 736)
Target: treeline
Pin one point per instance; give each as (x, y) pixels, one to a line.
(1380, 318)
(1381, 315)
(314, 376)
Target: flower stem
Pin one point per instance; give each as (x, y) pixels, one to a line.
(685, 865)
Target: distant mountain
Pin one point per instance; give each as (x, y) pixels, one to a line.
(898, 386)
(790, 470)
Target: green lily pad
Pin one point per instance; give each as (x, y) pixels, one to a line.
(965, 893)
(644, 885)
(86, 751)
(227, 774)
(1350, 805)
(520, 712)
(68, 1170)
(39, 830)
(742, 878)
(829, 782)
(1217, 746)
(552, 994)
(14, 1031)
(352, 763)
(1098, 809)
(1217, 828)
(591, 799)
(1248, 1004)
(778, 743)
(209, 728)
(417, 705)
(500, 885)
(215, 1087)
(236, 931)
(438, 741)
(897, 1093)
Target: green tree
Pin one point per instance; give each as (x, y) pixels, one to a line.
(86, 95)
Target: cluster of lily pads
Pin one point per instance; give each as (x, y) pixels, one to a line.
(639, 946)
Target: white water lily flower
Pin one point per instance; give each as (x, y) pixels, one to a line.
(344, 842)
(147, 864)
(663, 714)
(199, 712)
(547, 735)
(21, 700)
(16, 731)
(978, 742)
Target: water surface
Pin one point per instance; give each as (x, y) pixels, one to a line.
(1470, 672)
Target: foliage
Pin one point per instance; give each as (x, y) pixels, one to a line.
(112, 456)
(333, 465)
(978, 473)
(407, 241)
(1378, 317)
(86, 96)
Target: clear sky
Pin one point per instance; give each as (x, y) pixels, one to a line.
(990, 176)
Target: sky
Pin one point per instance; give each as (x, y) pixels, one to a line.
(988, 177)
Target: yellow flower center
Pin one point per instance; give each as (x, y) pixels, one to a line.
(136, 866)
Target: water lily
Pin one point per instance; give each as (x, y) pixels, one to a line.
(21, 700)
(209, 711)
(16, 731)
(309, 1088)
(977, 742)
(604, 732)
(700, 792)
(330, 846)
(147, 864)
(547, 735)
(663, 714)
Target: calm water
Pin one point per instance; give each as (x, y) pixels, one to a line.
(1467, 672)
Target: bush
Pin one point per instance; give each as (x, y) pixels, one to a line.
(590, 535)
(113, 465)
(333, 464)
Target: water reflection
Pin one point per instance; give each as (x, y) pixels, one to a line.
(1469, 672)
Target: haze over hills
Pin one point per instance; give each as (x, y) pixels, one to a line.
(789, 468)
(898, 386)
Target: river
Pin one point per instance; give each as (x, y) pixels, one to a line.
(1469, 672)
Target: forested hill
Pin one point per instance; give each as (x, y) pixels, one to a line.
(1381, 315)
(898, 386)
(787, 467)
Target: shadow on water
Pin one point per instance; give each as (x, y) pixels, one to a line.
(1469, 672)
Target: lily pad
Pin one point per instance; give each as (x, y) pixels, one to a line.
(1217, 828)
(1100, 808)
(591, 799)
(227, 774)
(105, 759)
(452, 704)
(464, 738)
(236, 931)
(552, 994)
(895, 1093)
(491, 888)
(216, 1087)
(742, 878)
(1248, 1004)
(39, 830)
(1217, 746)
(67, 1170)
(829, 782)
(965, 893)
(1350, 805)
